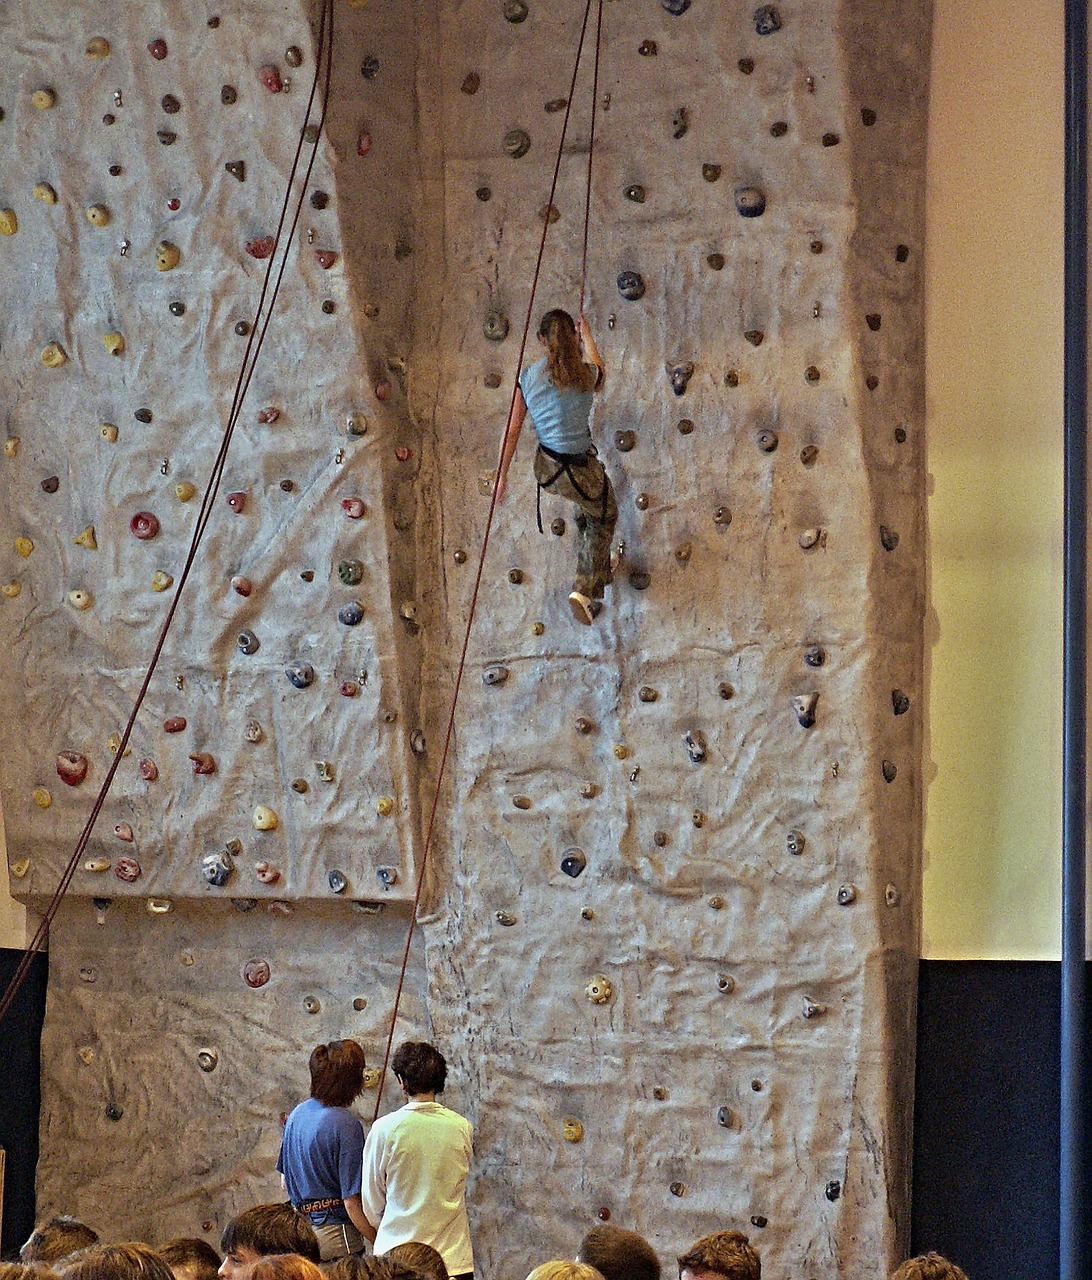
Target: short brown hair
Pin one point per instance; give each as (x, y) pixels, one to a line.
(369, 1267)
(727, 1253)
(133, 1261)
(197, 1258)
(271, 1228)
(420, 1257)
(421, 1067)
(56, 1238)
(26, 1271)
(928, 1266)
(619, 1254)
(337, 1072)
(563, 1269)
(286, 1266)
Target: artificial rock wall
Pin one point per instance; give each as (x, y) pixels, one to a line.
(710, 1022)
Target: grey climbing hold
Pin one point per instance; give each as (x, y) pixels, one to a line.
(675, 7)
(889, 539)
(237, 169)
(350, 572)
(516, 143)
(815, 656)
(351, 614)
(301, 674)
(813, 1008)
(496, 326)
(631, 286)
(680, 123)
(635, 192)
(494, 675)
(207, 1059)
(247, 642)
(337, 881)
(695, 745)
(900, 703)
(724, 1117)
(804, 705)
(890, 770)
(766, 440)
(750, 202)
(680, 375)
(847, 894)
(767, 20)
(216, 868)
(795, 842)
(640, 579)
(624, 440)
(573, 862)
(515, 11)
(387, 876)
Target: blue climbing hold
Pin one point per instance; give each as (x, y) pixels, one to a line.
(350, 614)
(676, 6)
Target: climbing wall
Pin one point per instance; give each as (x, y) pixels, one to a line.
(669, 920)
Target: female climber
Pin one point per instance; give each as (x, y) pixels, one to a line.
(323, 1148)
(557, 391)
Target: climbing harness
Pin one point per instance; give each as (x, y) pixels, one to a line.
(567, 461)
(256, 337)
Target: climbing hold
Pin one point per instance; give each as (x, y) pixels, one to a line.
(10, 590)
(87, 539)
(127, 870)
(902, 253)
(830, 139)
(98, 215)
(724, 1117)
(695, 745)
(253, 731)
(351, 614)
(384, 806)
(795, 842)
(354, 508)
(256, 973)
(293, 55)
(755, 337)
(240, 585)
(646, 693)
(387, 876)
(144, 526)
(766, 440)
(588, 790)
(515, 11)
(804, 706)
(631, 286)
(167, 256)
(516, 143)
(722, 516)
(266, 874)
(325, 258)
(496, 326)
(515, 576)
(207, 1059)
(599, 990)
(203, 762)
(640, 579)
(900, 703)
(350, 572)
(571, 1129)
(237, 502)
(573, 863)
(889, 539)
(174, 724)
(51, 484)
(98, 47)
(555, 105)
(348, 688)
(810, 538)
(716, 902)
(873, 321)
(680, 123)
(521, 802)
(494, 675)
(767, 20)
(584, 725)
(247, 642)
(504, 918)
(11, 446)
(170, 104)
(369, 68)
(635, 192)
(301, 674)
(54, 355)
(124, 831)
(114, 343)
(43, 98)
(216, 868)
(557, 526)
(113, 1112)
(41, 797)
(97, 865)
(847, 893)
(710, 172)
(812, 374)
(472, 82)
(750, 202)
(158, 48)
(143, 415)
(675, 7)
(808, 454)
(677, 1189)
(890, 770)
(44, 192)
(71, 767)
(680, 375)
(148, 769)
(813, 1008)
(647, 49)
(260, 248)
(726, 983)
(833, 1190)
(778, 129)
(237, 169)
(270, 76)
(23, 546)
(325, 770)
(228, 95)
(891, 896)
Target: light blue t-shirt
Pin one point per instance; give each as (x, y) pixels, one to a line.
(560, 417)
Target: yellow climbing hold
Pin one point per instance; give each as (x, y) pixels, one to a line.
(80, 599)
(44, 192)
(87, 539)
(385, 806)
(620, 752)
(113, 742)
(109, 432)
(265, 819)
(159, 906)
(41, 797)
(86, 1054)
(9, 223)
(98, 215)
(97, 864)
(114, 343)
(184, 491)
(98, 47)
(167, 256)
(20, 868)
(24, 546)
(11, 446)
(43, 98)
(161, 581)
(54, 355)
(11, 589)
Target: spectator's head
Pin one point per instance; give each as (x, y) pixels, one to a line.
(26, 1271)
(190, 1258)
(618, 1254)
(266, 1229)
(56, 1238)
(369, 1267)
(422, 1258)
(724, 1255)
(286, 1266)
(563, 1269)
(928, 1266)
(115, 1262)
(337, 1072)
(420, 1068)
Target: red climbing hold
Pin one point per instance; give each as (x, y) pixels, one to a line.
(325, 258)
(158, 49)
(270, 76)
(262, 247)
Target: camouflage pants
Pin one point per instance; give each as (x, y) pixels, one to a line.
(584, 481)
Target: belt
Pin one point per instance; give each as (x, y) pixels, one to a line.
(565, 457)
(318, 1206)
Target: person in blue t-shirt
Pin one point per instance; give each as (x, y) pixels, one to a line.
(322, 1151)
(557, 391)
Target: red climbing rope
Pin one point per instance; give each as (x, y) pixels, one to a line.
(493, 502)
(262, 316)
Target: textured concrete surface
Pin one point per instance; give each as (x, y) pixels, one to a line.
(754, 914)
